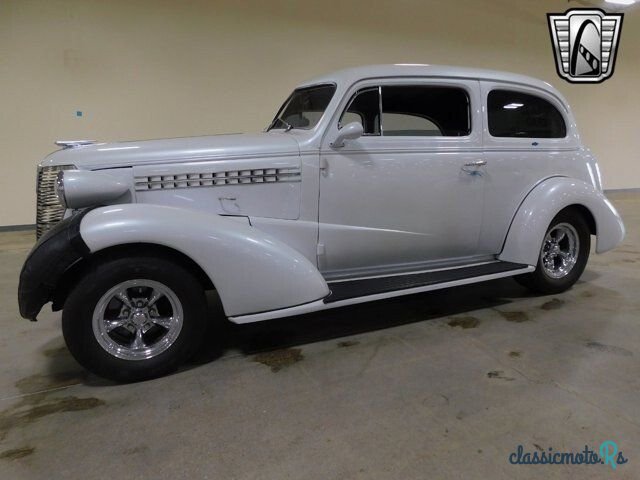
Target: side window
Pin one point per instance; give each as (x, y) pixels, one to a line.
(516, 114)
(398, 124)
(364, 108)
(348, 117)
(425, 111)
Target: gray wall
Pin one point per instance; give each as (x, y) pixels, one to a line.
(149, 69)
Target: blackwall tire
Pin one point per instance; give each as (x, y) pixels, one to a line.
(567, 233)
(134, 318)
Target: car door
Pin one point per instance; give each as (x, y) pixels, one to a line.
(526, 140)
(409, 192)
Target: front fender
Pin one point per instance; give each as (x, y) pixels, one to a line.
(532, 219)
(252, 271)
(56, 251)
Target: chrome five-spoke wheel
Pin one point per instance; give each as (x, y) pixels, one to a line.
(563, 254)
(135, 315)
(137, 319)
(560, 250)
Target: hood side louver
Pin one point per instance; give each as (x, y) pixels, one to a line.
(232, 177)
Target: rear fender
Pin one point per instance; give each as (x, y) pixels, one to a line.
(534, 216)
(252, 271)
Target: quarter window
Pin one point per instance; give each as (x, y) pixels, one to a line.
(516, 114)
(364, 109)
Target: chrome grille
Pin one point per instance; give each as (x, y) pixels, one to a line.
(234, 177)
(49, 211)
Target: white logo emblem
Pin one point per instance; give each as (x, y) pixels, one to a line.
(585, 43)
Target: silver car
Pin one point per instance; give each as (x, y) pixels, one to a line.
(369, 183)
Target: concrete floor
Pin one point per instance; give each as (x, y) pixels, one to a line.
(438, 385)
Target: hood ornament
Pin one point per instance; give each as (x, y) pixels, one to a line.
(74, 143)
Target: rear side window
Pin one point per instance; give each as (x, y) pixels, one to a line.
(516, 114)
(425, 111)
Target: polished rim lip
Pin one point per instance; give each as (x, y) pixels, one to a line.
(121, 351)
(573, 250)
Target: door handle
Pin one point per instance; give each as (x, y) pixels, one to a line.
(324, 166)
(477, 163)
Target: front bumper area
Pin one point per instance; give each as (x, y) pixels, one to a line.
(55, 252)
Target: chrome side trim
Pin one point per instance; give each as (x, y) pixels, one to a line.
(370, 150)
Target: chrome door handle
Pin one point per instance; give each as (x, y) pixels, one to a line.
(477, 163)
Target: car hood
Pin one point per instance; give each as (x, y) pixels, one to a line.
(171, 150)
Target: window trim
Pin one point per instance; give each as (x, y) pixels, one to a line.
(284, 105)
(443, 84)
(474, 141)
(352, 99)
(380, 110)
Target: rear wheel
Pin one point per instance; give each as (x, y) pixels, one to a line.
(134, 318)
(563, 255)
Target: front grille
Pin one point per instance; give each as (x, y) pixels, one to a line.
(49, 211)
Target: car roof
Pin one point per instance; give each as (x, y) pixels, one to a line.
(349, 76)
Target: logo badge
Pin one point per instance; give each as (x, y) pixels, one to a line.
(585, 43)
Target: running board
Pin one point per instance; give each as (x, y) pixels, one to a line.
(345, 290)
(350, 292)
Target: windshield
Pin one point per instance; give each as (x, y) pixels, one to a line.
(304, 108)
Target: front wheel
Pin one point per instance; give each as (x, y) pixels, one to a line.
(134, 318)
(563, 255)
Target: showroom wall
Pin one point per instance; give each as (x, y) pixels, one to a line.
(154, 68)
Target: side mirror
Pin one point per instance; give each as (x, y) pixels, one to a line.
(350, 131)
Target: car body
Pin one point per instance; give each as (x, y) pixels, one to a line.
(371, 182)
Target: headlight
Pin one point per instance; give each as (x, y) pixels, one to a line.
(82, 188)
(59, 188)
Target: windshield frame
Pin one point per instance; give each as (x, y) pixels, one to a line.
(286, 103)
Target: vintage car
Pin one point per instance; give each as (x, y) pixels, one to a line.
(369, 183)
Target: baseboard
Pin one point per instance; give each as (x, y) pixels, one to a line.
(17, 228)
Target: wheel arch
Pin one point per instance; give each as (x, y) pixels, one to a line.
(78, 270)
(544, 202)
(586, 214)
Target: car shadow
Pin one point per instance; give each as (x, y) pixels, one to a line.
(224, 336)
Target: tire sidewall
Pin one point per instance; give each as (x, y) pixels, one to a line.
(77, 317)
